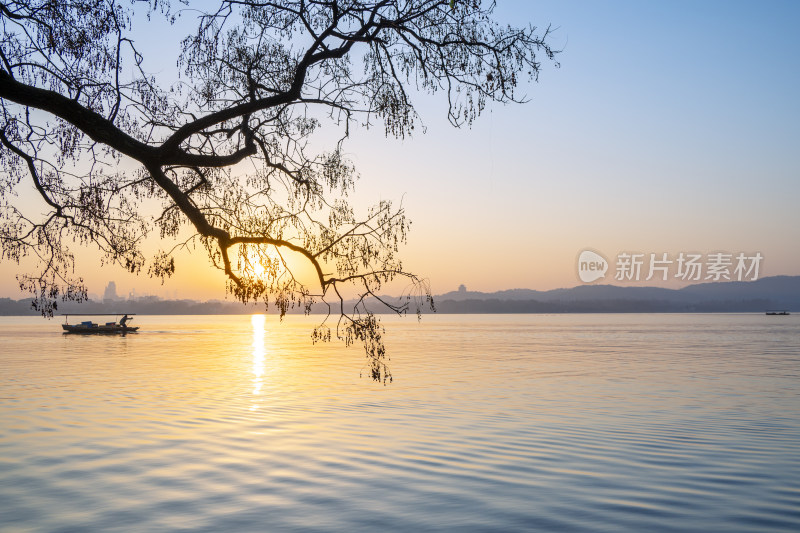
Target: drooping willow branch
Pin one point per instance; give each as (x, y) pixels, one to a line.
(104, 143)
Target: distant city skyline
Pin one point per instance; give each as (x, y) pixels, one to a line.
(772, 295)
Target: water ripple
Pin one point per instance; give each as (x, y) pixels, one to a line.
(530, 423)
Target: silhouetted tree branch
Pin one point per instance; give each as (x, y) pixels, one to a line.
(256, 80)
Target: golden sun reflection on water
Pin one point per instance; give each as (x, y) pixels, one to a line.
(259, 354)
(495, 422)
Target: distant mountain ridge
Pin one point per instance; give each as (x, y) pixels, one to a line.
(775, 292)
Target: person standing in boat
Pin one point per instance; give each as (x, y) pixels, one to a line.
(123, 321)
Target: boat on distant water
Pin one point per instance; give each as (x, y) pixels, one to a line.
(89, 327)
(778, 312)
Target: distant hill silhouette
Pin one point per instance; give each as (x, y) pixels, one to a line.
(776, 292)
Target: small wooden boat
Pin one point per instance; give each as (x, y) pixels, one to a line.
(89, 327)
(781, 312)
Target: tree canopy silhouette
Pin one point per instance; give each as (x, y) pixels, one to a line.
(101, 140)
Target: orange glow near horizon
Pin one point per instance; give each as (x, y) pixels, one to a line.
(268, 263)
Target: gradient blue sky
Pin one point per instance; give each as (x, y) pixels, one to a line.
(670, 127)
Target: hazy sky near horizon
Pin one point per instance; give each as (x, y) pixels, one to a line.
(669, 127)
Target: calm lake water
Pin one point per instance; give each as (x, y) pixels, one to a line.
(493, 423)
